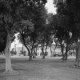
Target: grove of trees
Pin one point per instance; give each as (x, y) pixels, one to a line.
(66, 25)
(29, 19)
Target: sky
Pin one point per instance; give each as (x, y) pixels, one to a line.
(50, 7)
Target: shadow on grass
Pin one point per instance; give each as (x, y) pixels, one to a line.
(2, 60)
(2, 70)
(15, 61)
(20, 69)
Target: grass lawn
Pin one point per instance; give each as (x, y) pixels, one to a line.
(39, 69)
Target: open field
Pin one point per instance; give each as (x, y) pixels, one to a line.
(39, 69)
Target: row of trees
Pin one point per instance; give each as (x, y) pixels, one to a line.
(66, 25)
(29, 18)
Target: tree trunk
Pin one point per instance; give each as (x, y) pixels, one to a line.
(51, 50)
(26, 46)
(25, 43)
(31, 54)
(30, 57)
(36, 51)
(66, 55)
(43, 54)
(7, 55)
(77, 55)
(46, 50)
(62, 50)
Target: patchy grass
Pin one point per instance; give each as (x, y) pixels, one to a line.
(39, 69)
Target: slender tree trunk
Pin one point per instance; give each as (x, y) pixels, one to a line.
(42, 51)
(31, 54)
(30, 57)
(43, 54)
(7, 55)
(66, 52)
(51, 50)
(36, 50)
(22, 35)
(26, 46)
(34, 53)
(46, 50)
(62, 50)
(77, 55)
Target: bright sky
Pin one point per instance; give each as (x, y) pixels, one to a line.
(50, 7)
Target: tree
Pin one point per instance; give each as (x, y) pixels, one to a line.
(60, 29)
(62, 24)
(71, 8)
(38, 18)
(74, 7)
(12, 14)
(24, 32)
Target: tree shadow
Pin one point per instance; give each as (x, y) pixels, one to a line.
(2, 60)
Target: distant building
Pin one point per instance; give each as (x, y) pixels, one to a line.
(18, 47)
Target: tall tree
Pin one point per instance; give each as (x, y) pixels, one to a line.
(13, 13)
(38, 18)
(74, 8)
(71, 8)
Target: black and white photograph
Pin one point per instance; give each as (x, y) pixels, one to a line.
(39, 39)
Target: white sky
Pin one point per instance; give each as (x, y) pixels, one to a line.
(50, 7)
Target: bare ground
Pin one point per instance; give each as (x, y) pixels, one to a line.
(39, 69)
